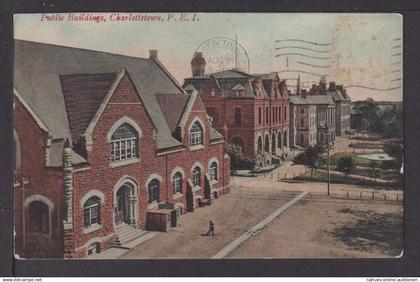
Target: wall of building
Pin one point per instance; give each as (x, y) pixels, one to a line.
(44, 184)
(140, 173)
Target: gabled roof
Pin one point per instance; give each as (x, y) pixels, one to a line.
(172, 106)
(37, 71)
(83, 93)
(267, 76)
(320, 99)
(297, 100)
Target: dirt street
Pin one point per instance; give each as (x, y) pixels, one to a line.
(315, 226)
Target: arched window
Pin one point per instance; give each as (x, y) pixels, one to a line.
(92, 211)
(273, 143)
(197, 176)
(285, 139)
(154, 187)
(177, 183)
(267, 144)
(213, 171)
(260, 144)
(196, 134)
(38, 217)
(279, 140)
(124, 143)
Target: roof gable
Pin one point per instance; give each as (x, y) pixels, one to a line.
(172, 106)
(83, 93)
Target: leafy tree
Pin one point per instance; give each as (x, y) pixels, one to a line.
(368, 111)
(345, 164)
(238, 158)
(311, 157)
(395, 149)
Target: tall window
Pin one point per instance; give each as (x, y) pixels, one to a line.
(197, 176)
(302, 122)
(154, 187)
(267, 114)
(38, 217)
(196, 134)
(92, 211)
(238, 116)
(124, 143)
(280, 113)
(177, 183)
(259, 115)
(213, 171)
(285, 113)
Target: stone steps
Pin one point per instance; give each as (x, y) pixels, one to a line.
(127, 234)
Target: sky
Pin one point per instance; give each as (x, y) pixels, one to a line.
(363, 52)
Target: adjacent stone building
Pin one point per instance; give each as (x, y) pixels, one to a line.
(250, 110)
(303, 127)
(106, 146)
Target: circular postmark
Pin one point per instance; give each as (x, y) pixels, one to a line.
(223, 53)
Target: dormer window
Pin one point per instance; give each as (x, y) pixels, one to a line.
(196, 134)
(124, 143)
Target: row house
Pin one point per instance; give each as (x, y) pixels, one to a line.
(250, 110)
(106, 147)
(303, 127)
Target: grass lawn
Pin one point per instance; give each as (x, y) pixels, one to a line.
(358, 161)
(322, 176)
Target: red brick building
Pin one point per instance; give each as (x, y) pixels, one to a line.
(106, 146)
(251, 111)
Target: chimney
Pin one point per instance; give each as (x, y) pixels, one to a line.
(304, 93)
(153, 54)
(332, 86)
(198, 64)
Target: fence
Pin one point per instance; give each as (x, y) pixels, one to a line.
(367, 195)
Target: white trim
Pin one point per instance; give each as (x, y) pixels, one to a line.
(120, 122)
(214, 159)
(89, 130)
(169, 152)
(151, 177)
(45, 200)
(197, 163)
(37, 119)
(199, 146)
(90, 194)
(175, 170)
(119, 163)
(92, 228)
(17, 152)
(131, 181)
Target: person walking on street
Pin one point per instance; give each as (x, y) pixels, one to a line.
(211, 229)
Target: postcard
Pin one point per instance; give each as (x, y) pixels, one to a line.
(208, 135)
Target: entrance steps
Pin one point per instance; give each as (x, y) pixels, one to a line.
(128, 236)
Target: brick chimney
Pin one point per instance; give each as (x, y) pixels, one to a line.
(153, 54)
(332, 86)
(303, 93)
(198, 64)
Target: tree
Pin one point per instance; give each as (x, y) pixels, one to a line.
(368, 111)
(345, 164)
(238, 160)
(310, 157)
(395, 149)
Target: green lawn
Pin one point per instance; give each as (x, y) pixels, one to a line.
(357, 160)
(321, 176)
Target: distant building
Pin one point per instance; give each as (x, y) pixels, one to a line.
(250, 110)
(303, 126)
(342, 103)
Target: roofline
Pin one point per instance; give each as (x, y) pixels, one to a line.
(168, 74)
(89, 130)
(41, 124)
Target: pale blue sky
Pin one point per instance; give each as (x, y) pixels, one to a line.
(362, 49)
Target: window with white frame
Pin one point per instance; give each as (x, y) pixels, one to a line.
(92, 211)
(177, 183)
(213, 171)
(154, 187)
(196, 134)
(197, 176)
(124, 143)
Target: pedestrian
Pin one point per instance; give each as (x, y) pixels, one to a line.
(211, 229)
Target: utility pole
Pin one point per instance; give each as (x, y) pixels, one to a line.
(328, 161)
